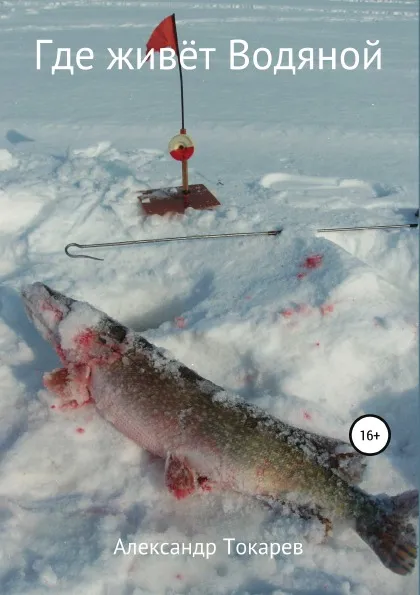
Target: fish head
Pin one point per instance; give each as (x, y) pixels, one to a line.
(79, 332)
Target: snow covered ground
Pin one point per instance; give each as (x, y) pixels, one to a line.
(317, 329)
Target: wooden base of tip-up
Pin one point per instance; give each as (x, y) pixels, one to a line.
(163, 201)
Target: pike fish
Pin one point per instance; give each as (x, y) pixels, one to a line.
(209, 438)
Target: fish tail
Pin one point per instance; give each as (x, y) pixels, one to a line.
(392, 538)
(406, 504)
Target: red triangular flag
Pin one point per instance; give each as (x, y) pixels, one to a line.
(164, 36)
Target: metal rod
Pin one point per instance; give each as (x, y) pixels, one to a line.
(363, 227)
(273, 232)
(180, 72)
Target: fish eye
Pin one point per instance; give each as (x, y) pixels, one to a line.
(113, 330)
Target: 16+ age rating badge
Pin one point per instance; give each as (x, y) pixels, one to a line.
(370, 435)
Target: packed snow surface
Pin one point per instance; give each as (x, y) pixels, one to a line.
(317, 329)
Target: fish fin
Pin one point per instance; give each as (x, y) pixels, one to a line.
(285, 505)
(57, 381)
(392, 539)
(180, 479)
(349, 465)
(308, 512)
(338, 455)
(405, 505)
(69, 383)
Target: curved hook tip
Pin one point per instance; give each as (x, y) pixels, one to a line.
(73, 245)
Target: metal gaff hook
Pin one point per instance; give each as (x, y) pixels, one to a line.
(273, 232)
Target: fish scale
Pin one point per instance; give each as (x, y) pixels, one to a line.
(207, 436)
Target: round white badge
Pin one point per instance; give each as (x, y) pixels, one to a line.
(370, 435)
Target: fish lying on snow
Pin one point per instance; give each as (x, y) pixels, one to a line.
(207, 438)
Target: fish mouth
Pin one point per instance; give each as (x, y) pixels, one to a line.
(46, 308)
(76, 330)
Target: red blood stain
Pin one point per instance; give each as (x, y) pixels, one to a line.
(313, 262)
(181, 493)
(87, 339)
(80, 430)
(179, 577)
(204, 483)
(179, 478)
(317, 343)
(180, 322)
(325, 308)
(307, 415)
(91, 343)
(52, 406)
(299, 309)
(301, 275)
(73, 404)
(89, 401)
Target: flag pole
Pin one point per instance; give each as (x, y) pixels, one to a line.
(184, 163)
(180, 75)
